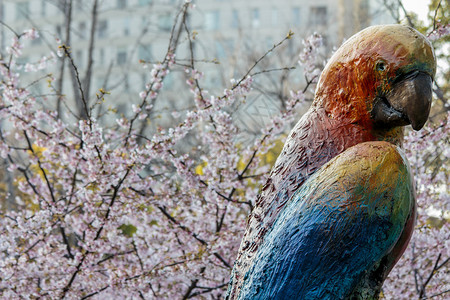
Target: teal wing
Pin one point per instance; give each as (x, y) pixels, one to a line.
(338, 227)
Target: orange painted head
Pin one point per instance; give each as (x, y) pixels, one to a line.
(380, 78)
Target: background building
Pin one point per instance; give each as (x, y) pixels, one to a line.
(229, 37)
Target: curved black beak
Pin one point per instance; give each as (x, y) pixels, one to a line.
(408, 102)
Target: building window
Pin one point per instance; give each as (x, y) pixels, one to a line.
(274, 16)
(58, 30)
(102, 29)
(22, 10)
(235, 18)
(144, 22)
(365, 15)
(145, 52)
(212, 20)
(101, 82)
(79, 58)
(143, 79)
(325, 40)
(126, 81)
(122, 108)
(79, 5)
(255, 18)
(169, 80)
(121, 4)
(23, 60)
(43, 8)
(126, 27)
(82, 30)
(269, 42)
(318, 15)
(145, 2)
(101, 56)
(121, 56)
(296, 16)
(165, 22)
(223, 47)
(220, 50)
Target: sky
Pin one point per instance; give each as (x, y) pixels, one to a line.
(420, 7)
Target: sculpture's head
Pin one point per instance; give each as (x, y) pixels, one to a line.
(380, 78)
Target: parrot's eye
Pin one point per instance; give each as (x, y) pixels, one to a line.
(381, 66)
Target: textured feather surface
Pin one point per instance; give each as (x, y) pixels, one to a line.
(337, 226)
(340, 117)
(314, 140)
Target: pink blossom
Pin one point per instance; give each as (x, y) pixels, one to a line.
(440, 32)
(114, 211)
(31, 34)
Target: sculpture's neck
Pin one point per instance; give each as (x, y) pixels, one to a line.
(357, 132)
(393, 135)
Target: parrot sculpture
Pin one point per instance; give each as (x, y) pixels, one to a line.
(339, 207)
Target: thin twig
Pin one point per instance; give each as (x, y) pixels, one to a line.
(85, 112)
(207, 289)
(88, 74)
(288, 37)
(424, 285)
(10, 28)
(435, 15)
(273, 70)
(68, 18)
(408, 18)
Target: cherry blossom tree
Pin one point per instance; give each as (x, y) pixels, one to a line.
(422, 272)
(98, 211)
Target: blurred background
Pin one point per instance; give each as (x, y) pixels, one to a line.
(98, 56)
(113, 44)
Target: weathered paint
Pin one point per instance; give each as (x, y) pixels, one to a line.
(340, 117)
(336, 227)
(350, 81)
